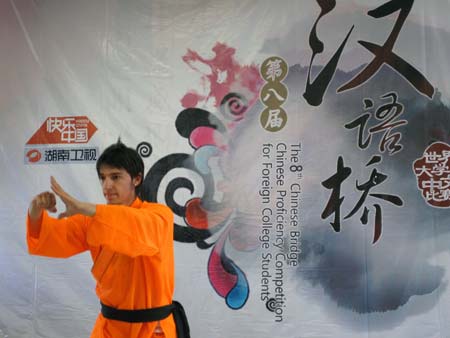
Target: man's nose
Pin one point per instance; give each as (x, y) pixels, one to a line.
(107, 183)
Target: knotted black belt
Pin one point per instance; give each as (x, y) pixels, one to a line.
(137, 316)
(151, 315)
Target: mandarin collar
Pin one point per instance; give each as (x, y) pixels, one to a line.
(136, 203)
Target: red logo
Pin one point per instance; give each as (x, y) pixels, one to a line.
(33, 155)
(433, 174)
(64, 130)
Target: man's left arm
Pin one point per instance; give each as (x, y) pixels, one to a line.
(131, 231)
(127, 230)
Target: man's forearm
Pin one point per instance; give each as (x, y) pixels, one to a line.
(88, 209)
(35, 217)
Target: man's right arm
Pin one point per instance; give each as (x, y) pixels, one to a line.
(52, 237)
(43, 201)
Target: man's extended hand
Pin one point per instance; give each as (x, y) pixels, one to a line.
(73, 206)
(44, 201)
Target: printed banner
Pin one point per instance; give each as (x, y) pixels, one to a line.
(303, 147)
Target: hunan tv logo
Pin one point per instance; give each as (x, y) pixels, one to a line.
(62, 140)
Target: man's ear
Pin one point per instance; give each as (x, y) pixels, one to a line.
(137, 180)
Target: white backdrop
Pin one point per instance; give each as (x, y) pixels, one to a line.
(132, 67)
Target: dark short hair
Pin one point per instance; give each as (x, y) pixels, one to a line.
(118, 155)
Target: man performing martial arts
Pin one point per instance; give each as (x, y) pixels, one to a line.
(130, 241)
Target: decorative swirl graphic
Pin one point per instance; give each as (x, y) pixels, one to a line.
(204, 214)
(227, 279)
(271, 304)
(233, 106)
(192, 118)
(144, 149)
(195, 187)
(200, 127)
(151, 187)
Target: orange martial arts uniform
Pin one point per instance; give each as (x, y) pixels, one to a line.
(132, 250)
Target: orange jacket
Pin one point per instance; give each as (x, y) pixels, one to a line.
(132, 250)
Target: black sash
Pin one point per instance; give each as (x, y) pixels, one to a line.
(151, 315)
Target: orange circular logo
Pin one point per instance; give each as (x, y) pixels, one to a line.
(34, 155)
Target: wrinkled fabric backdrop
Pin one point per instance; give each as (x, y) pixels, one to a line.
(302, 145)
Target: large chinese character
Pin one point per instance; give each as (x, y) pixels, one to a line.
(385, 55)
(315, 90)
(335, 201)
(334, 183)
(387, 113)
(376, 178)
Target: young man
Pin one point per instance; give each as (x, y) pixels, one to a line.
(130, 241)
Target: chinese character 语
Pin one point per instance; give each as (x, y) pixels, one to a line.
(387, 113)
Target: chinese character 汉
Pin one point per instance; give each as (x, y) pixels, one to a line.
(385, 55)
(315, 90)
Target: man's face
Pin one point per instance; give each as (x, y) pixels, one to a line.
(117, 185)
